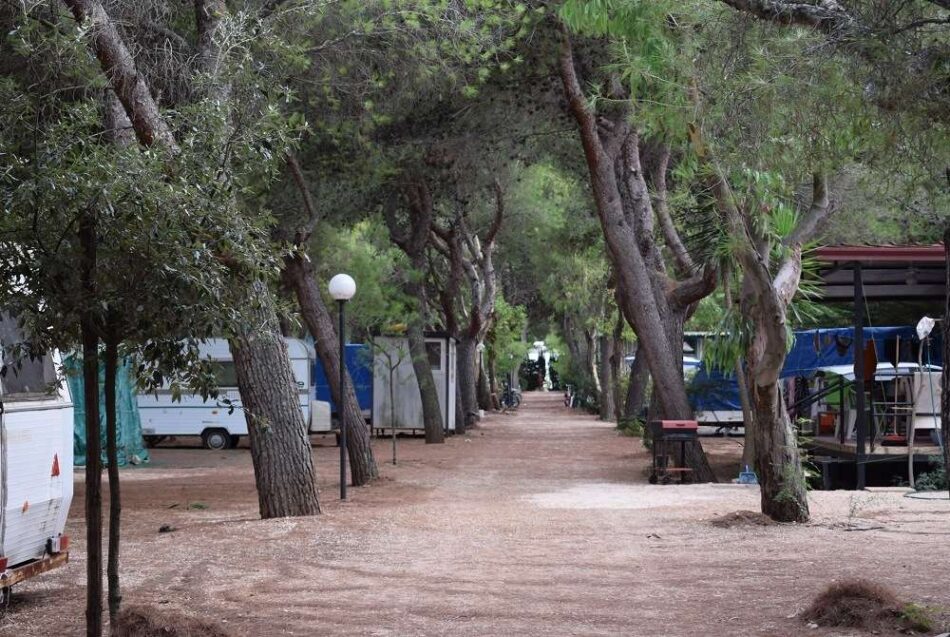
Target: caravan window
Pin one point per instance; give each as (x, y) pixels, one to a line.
(434, 350)
(28, 379)
(225, 373)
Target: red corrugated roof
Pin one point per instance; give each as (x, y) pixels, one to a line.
(882, 253)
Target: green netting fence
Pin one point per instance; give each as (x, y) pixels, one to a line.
(129, 435)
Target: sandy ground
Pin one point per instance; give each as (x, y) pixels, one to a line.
(540, 523)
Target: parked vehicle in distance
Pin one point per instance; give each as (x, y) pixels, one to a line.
(359, 365)
(510, 397)
(219, 426)
(36, 465)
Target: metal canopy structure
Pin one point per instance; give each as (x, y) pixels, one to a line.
(887, 272)
(859, 273)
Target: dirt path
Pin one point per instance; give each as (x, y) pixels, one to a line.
(535, 524)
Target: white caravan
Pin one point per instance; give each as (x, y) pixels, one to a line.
(219, 426)
(36, 465)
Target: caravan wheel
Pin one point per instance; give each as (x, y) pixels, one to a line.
(216, 439)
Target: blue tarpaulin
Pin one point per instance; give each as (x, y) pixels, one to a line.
(717, 390)
(359, 363)
(131, 449)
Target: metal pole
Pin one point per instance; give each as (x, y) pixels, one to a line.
(860, 422)
(340, 401)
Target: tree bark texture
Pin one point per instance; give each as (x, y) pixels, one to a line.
(764, 304)
(637, 388)
(651, 301)
(616, 366)
(431, 410)
(471, 257)
(466, 352)
(484, 386)
(90, 379)
(777, 462)
(608, 408)
(413, 239)
(118, 66)
(115, 496)
(299, 271)
(280, 446)
(945, 377)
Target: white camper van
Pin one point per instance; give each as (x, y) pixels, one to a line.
(163, 417)
(36, 466)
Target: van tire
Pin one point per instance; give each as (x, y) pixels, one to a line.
(152, 441)
(216, 439)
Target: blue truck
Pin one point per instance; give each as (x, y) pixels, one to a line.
(359, 363)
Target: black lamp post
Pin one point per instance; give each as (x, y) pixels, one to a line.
(342, 288)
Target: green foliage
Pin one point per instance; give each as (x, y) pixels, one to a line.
(633, 427)
(363, 250)
(933, 480)
(504, 338)
(172, 254)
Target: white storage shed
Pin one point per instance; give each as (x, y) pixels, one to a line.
(391, 359)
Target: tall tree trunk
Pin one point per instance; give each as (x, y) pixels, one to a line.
(945, 377)
(764, 304)
(112, 457)
(651, 302)
(90, 379)
(467, 379)
(777, 463)
(637, 388)
(276, 410)
(299, 271)
(590, 362)
(484, 388)
(460, 425)
(280, 446)
(608, 409)
(616, 366)
(491, 367)
(431, 409)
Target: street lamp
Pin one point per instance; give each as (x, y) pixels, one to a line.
(342, 288)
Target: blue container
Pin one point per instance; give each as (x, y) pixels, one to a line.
(359, 363)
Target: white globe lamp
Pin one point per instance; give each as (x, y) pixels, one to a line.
(342, 287)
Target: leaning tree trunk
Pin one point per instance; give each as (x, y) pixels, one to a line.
(645, 297)
(315, 314)
(607, 407)
(280, 446)
(783, 489)
(112, 457)
(467, 380)
(431, 410)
